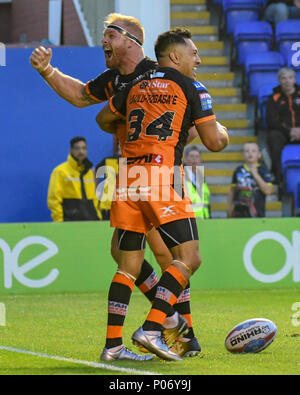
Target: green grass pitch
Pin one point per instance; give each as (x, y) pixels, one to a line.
(74, 326)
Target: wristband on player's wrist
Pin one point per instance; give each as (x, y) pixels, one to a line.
(48, 71)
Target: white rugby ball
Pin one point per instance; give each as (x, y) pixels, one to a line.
(251, 336)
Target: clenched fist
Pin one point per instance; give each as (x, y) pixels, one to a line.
(221, 128)
(40, 58)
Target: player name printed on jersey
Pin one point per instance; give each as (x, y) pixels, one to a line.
(153, 99)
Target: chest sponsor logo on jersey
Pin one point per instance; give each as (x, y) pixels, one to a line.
(154, 84)
(152, 158)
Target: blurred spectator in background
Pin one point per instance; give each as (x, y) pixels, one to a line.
(106, 172)
(251, 183)
(283, 118)
(195, 184)
(71, 194)
(282, 10)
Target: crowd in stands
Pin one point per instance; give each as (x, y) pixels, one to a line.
(266, 47)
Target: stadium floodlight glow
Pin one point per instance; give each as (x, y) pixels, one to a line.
(296, 56)
(2, 55)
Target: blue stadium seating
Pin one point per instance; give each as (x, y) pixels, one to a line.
(287, 30)
(236, 11)
(263, 94)
(294, 63)
(261, 69)
(286, 34)
(290, 165)
(250, 37)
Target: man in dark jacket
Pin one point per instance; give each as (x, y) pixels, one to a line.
(283, 118)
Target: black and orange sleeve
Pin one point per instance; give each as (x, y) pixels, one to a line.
(201, 104)
(100, 89)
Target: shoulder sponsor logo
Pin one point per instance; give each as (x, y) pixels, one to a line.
(157, 75)
(199, 86)
(206, 101)
(205, 96)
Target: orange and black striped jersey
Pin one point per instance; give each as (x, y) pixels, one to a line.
(111, 82)
(159, 108)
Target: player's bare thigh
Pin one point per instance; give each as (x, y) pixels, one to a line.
(115, 252)
(159, 249)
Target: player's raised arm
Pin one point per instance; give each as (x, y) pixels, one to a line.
(68, 88)
(213, 135)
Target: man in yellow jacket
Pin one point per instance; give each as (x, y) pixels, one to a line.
(195, 184)
(71, 194)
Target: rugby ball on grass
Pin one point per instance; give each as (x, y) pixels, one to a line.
(251, 336)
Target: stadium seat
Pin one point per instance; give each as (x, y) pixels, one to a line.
(286, 34)
(261, 69)
(294, 64)
(263, 94)
(290, 165)
(236, 11)
(250, 37)
(287, 30)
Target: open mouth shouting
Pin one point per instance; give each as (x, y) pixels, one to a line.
(108, 53)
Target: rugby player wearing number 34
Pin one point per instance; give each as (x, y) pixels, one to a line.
(158, 122)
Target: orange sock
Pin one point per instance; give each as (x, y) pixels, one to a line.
(169, 288)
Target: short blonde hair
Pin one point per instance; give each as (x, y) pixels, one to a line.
(133, 25)
(286, 70)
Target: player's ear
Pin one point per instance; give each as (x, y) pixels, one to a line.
(174, 56)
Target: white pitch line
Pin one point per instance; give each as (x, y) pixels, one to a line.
(95, 365)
